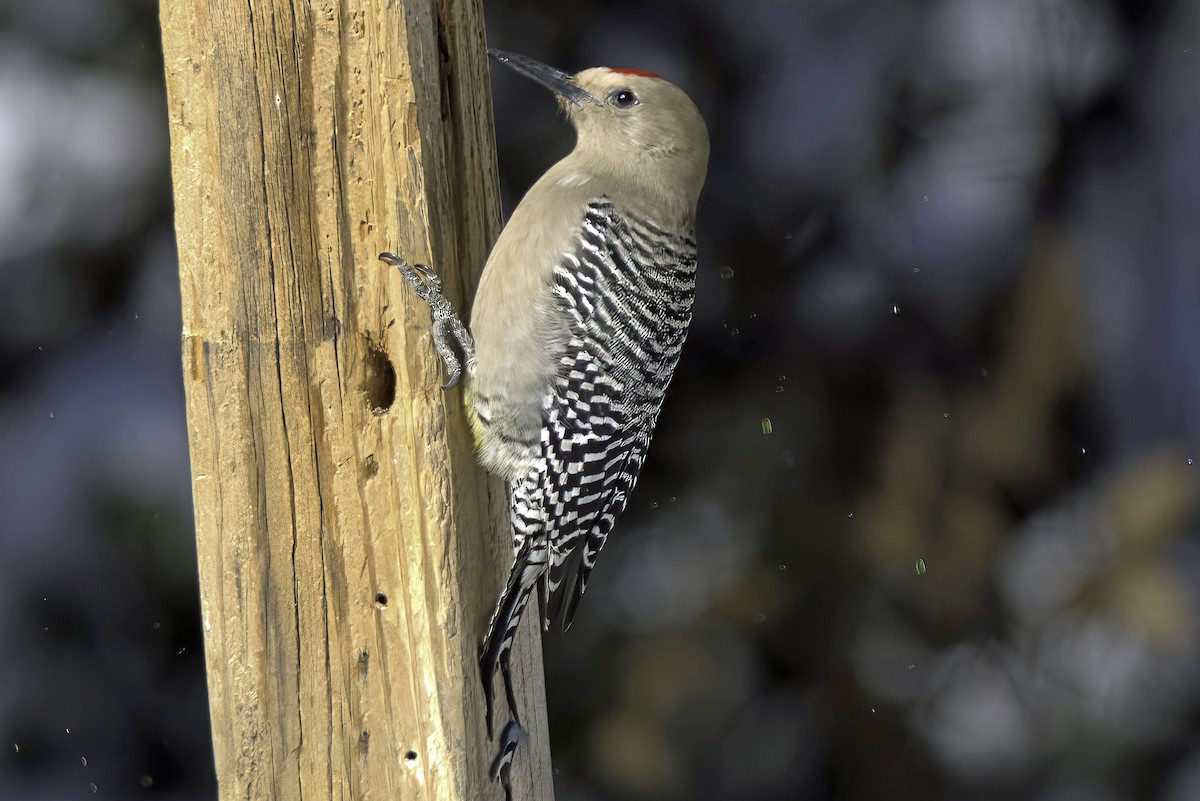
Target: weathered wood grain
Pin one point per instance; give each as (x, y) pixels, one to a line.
(349, 547)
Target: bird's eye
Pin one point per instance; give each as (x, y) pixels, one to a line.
(623, 98)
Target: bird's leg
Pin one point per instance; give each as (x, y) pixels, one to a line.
(502, 765)
(446, 323)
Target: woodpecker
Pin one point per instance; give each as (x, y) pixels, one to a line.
(577, 326)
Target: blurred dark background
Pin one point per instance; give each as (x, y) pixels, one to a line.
(920, 521)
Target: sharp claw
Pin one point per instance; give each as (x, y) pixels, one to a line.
(430, 277)
(424, 272)
(441, 342)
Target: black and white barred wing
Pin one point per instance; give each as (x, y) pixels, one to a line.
(627, 293)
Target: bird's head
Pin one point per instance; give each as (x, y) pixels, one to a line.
(630, 123)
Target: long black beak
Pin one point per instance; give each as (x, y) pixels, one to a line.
(556, 81)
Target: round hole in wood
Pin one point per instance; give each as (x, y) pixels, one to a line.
(379, 379)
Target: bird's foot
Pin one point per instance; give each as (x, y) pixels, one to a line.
(446, 323)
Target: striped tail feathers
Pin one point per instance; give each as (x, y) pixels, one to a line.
(588, 490)
(543, 587)
(583, 563)
(497, 645)
(564, 572)
(576, 595)
(501, 770)
(620, 477)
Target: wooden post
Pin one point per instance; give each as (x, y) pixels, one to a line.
(350, 550)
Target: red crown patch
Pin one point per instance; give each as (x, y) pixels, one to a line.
(630, 71)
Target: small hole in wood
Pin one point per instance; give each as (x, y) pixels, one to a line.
(411, 756)
(379, 379)
(381, 599)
